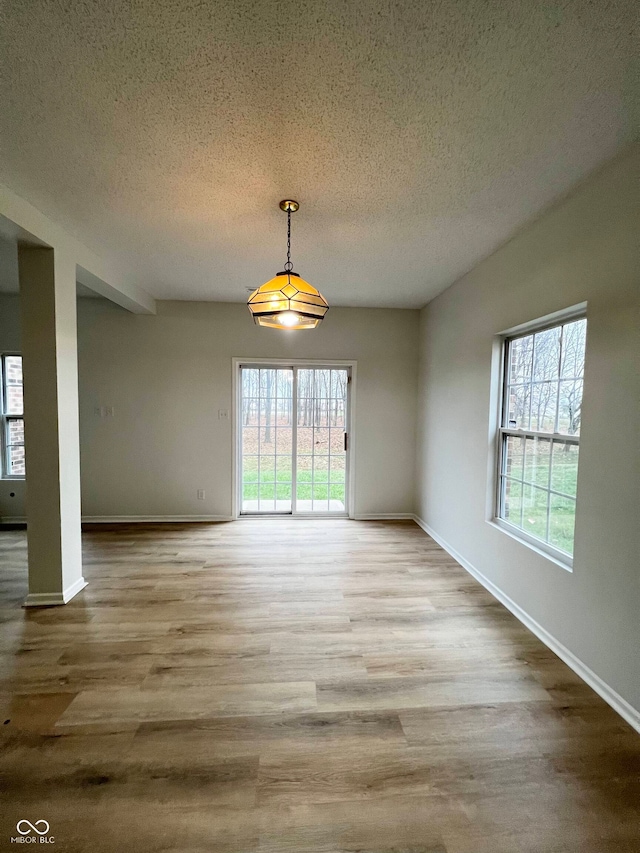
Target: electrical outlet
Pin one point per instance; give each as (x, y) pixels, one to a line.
(109, 411)
(200, 494)
(223, 414)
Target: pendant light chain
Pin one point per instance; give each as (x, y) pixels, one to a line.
(288, 266)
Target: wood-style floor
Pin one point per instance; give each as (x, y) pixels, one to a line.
(309, 687)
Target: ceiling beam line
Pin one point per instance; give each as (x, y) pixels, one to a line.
(31, 226)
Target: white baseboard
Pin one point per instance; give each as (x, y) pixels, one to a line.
(133, 519)
(52, 599)
(610, 696)
(165, 519)
(384, 516)
(150, 519)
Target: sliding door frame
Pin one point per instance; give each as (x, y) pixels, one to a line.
(236, 448)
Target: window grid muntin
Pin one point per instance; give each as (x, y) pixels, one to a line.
(6, 418)
(554, 438)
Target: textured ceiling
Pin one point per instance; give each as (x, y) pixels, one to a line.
(417, 136)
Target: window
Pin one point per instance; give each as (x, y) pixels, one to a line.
(12, 463)
(540, 434)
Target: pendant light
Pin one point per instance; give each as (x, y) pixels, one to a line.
(287, 301)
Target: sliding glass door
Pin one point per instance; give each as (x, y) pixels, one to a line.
(293, 424)
(321, 439)
(266, 439)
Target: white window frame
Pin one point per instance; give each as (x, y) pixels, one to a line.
(350, 479)
(4, 422)
(561, 318)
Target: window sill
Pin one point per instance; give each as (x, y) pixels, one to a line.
(5, 478)
(552, 555)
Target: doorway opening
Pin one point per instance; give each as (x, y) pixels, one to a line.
(293, 439)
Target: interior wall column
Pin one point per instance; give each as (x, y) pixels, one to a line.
(52, 441)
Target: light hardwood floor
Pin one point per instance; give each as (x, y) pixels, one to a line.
(309, 687)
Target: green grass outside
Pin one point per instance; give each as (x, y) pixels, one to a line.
(275, 480)
(275, 483)
(531, 502)
(525, 501)
(284, 491)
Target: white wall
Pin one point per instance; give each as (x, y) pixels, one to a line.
(585, 249)
(167, 376)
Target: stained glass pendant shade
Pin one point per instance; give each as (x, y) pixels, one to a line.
(287, 301)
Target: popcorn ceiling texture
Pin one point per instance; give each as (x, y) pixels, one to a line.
(417, 136)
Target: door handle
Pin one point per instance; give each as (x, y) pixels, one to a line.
(346, 441)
